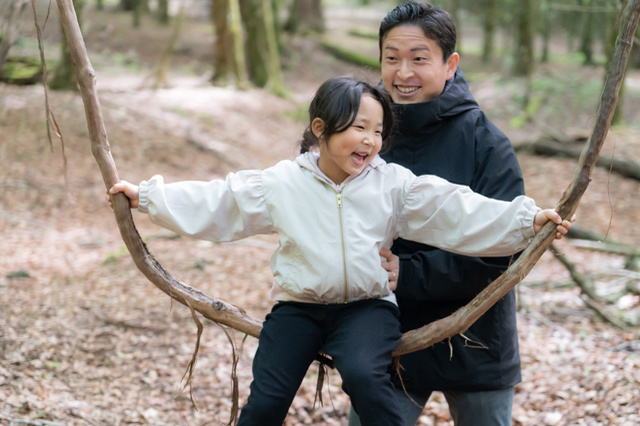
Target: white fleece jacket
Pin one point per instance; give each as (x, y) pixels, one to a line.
(330, 235)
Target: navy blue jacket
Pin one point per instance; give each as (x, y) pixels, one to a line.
(451, 137)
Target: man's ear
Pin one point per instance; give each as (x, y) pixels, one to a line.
(317, 127)
(452, 65)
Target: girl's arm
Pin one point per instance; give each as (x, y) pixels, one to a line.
(218, 210)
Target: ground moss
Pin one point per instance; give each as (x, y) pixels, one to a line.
(21, 70)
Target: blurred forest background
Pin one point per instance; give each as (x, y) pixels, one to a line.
(195, 89)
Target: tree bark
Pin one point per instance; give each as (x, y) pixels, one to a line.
(232, 316)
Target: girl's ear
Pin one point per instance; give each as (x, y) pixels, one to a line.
(317, 127)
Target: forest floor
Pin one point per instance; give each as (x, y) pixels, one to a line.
(86, 339)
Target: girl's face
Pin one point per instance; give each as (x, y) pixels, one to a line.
(350, 151)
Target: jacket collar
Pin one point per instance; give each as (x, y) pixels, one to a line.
(309, 161)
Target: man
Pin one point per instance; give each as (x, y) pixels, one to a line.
(442, 131)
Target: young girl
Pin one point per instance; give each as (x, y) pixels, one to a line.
(333, 211)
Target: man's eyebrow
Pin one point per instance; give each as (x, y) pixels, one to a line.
(415, 49)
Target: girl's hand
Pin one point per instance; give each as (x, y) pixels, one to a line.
(543, 216)
(392, 266)
(130, 190)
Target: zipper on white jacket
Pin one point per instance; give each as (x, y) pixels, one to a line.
(344, 255)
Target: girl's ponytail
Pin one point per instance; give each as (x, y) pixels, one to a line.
(308, 141)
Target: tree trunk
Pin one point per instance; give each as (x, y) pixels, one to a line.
(137, 13)
(162, 12)
(547, 22)
(237, 44)
(305, 17)
(222, 56)
(489, 27)
(263, 58)
(164, 64)
(523, 64)
(64, 76)
(252, 14)
(9, 29)
(453, 7)
(224, 313)
(586, 43)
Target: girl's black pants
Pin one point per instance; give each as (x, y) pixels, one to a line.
(359, 336)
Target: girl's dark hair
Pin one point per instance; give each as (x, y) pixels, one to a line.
(337, 102)
(436, 24)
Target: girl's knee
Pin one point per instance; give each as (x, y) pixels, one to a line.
(363, 376)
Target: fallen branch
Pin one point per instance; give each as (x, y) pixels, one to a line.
(589, 296)
(569, 149)
(609, 248)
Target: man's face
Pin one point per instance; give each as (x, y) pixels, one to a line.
(412, 66)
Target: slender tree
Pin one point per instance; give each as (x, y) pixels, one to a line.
(237, 45)
(223, 52)
(162, 12)
(64, 76)
(159, 76)
(263, 58)
(454, 9)
(489, 30)
(545, 29)
(586, 40)
(523, 57)
(229, 54)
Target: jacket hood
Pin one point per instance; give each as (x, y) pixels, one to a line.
(454, 100)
